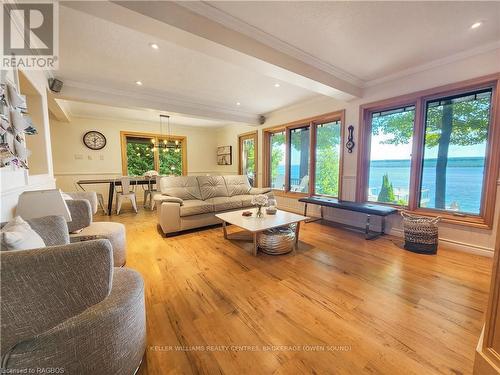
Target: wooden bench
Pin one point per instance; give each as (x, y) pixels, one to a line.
(369, 209)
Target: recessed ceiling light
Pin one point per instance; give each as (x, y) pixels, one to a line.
(154, 46)
(475, 25)
(276, 85)
(238, 103)
(138, 83)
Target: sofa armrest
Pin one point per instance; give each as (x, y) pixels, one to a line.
(91, 196)
(169, 217)
(43, 287)
(81, 214)
(257, 191)
(159, 198)
(52, 229)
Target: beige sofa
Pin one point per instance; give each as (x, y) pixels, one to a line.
(189, 202)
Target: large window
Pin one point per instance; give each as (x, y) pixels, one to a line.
(328, 147)
(435, 152)
(456, 131)
(277, 160)
(248, 152)
(390, 155)
(140, 153)
(305, 157)
(299, 159)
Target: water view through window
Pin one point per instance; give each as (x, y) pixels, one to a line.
(390, 156)
(455, 151)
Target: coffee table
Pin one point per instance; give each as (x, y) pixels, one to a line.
(256, 225)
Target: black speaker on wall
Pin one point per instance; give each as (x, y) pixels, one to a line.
(55, 85)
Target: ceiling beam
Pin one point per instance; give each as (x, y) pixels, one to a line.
(174, 22)
(169, 102)
(57, 108)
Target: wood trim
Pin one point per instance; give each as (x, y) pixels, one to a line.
(487, 356)
(312, 123)
(123, 145)
(255, 136)
(419, 99)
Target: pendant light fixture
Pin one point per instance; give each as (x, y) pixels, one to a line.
(168, 143)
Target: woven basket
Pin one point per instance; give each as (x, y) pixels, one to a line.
(277, 240)
(421, 233)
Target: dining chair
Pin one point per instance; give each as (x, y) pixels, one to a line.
(100, 197)
(156, 191)
(125, 191)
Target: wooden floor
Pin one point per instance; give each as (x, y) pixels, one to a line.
(341, 305)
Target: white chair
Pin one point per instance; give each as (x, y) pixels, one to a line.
(155, 192)
(125, 191)
(100, 197)
(303, 187)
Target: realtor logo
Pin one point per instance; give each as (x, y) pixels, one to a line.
(30, 35)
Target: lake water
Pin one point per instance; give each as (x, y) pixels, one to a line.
(464, 180)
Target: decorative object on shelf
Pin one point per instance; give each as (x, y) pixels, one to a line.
(225, 155)
(94, 140)
(350, 139)
(166, 142)
(259, 201)
(246, 213)
(421, 233)
(277, 241)
(271, 207)
(14, 125)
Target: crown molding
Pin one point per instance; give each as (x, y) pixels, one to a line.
(110, 94)
(209, 11)
(435, 64)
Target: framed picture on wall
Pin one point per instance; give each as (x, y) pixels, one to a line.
(224, 155)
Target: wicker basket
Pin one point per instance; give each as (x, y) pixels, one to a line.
(277, 240)
(421, 233)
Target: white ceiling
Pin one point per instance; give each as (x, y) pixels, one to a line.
(92, 110)
(101, 53)
(213, 55)
(370, 40)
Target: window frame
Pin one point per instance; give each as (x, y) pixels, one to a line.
(419, 100)
(242, 137)
(312, 123)
(156, 158)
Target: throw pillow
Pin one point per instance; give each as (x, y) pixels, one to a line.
(18, 235)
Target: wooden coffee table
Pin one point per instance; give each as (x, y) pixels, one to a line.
(256, 225)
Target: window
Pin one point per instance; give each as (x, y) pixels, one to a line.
(390, 155)
(277, 158)
(328, 147)
(305, 157)
(140, 155)
(435, 152)
(140, 158)
(456, 131)
(248, 152)
(299, 159)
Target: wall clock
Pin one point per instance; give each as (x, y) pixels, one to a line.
(94, 140)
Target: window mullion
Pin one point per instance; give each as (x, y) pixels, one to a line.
(416, 155)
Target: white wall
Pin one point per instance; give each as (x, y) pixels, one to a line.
(228, 136)
(74, 161)
(463, 238)
(13, 181)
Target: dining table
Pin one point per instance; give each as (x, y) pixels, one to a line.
(116, 182)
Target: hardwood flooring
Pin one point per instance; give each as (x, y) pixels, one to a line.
(341, 305)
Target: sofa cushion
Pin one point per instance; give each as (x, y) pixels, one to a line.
(212, 186)
(196, 207)
(237, 185)
(246, 200)
(225, 203)
(183, 187)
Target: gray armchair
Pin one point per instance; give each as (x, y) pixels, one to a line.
(66, 307)
(83, 228)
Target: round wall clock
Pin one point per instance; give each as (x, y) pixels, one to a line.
(94, 140)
